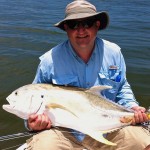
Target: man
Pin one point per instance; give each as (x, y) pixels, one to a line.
(85, 60)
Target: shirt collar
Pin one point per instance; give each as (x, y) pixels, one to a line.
(77, 57)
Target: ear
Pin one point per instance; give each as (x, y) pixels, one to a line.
(98, 24)
(65, 26)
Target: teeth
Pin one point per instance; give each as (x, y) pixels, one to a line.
(82, 36)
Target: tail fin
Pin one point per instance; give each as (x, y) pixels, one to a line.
(99, 137)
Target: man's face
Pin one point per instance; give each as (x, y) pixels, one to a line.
(82, 33)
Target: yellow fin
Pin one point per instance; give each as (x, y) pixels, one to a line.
(99, 137)
(110, 130)
(54, 106)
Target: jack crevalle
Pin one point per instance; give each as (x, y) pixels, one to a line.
(84, 110)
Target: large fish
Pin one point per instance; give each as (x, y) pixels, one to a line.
(84, 110)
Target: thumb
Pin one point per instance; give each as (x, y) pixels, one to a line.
(139, 108)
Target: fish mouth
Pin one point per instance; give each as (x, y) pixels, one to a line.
(7, 98)
(8, 107)
(9, 104)
(12, 105)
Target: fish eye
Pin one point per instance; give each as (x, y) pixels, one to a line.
(42, 96)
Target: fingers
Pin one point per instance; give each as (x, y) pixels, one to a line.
(139, 115)
(39, 122)
(139, 118)
(32, 118)
(45, 124)
(139, 108)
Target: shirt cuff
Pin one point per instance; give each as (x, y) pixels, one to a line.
(26, 125)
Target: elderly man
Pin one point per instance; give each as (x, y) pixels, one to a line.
(84, 60)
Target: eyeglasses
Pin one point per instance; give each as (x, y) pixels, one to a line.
(74, 24)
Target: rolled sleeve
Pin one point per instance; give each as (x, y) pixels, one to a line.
(125, 96)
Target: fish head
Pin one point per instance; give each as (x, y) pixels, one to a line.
(25, 101)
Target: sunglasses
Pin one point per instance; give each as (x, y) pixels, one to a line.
(74, 24)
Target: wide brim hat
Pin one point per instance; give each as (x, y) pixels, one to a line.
(80, 9)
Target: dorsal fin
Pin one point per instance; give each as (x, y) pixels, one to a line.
(97, 89)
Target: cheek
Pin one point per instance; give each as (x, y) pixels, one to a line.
(93, 32)
(71, 36)
(70, 33)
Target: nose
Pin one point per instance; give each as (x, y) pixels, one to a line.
(80, 27)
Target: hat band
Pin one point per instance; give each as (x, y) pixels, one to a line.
(77, 11)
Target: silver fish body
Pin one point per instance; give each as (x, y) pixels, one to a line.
(80, 109)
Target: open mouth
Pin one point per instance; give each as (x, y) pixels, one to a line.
(10, 104)
(82, 37)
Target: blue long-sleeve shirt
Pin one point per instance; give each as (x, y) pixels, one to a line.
(106, 66)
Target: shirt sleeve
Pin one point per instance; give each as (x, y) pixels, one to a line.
(44, 70)
(26, 125)
(125, 94)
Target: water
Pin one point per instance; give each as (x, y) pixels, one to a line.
(27, 31)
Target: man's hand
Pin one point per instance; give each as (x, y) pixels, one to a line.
(39, 122)
(139, 115)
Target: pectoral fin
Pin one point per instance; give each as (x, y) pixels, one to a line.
(99, 137)
(54, 106)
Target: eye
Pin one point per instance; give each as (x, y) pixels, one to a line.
(16, 93)
(42, 96)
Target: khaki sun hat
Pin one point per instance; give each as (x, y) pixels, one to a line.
(79, 9)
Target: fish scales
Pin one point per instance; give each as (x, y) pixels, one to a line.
(94, 99)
